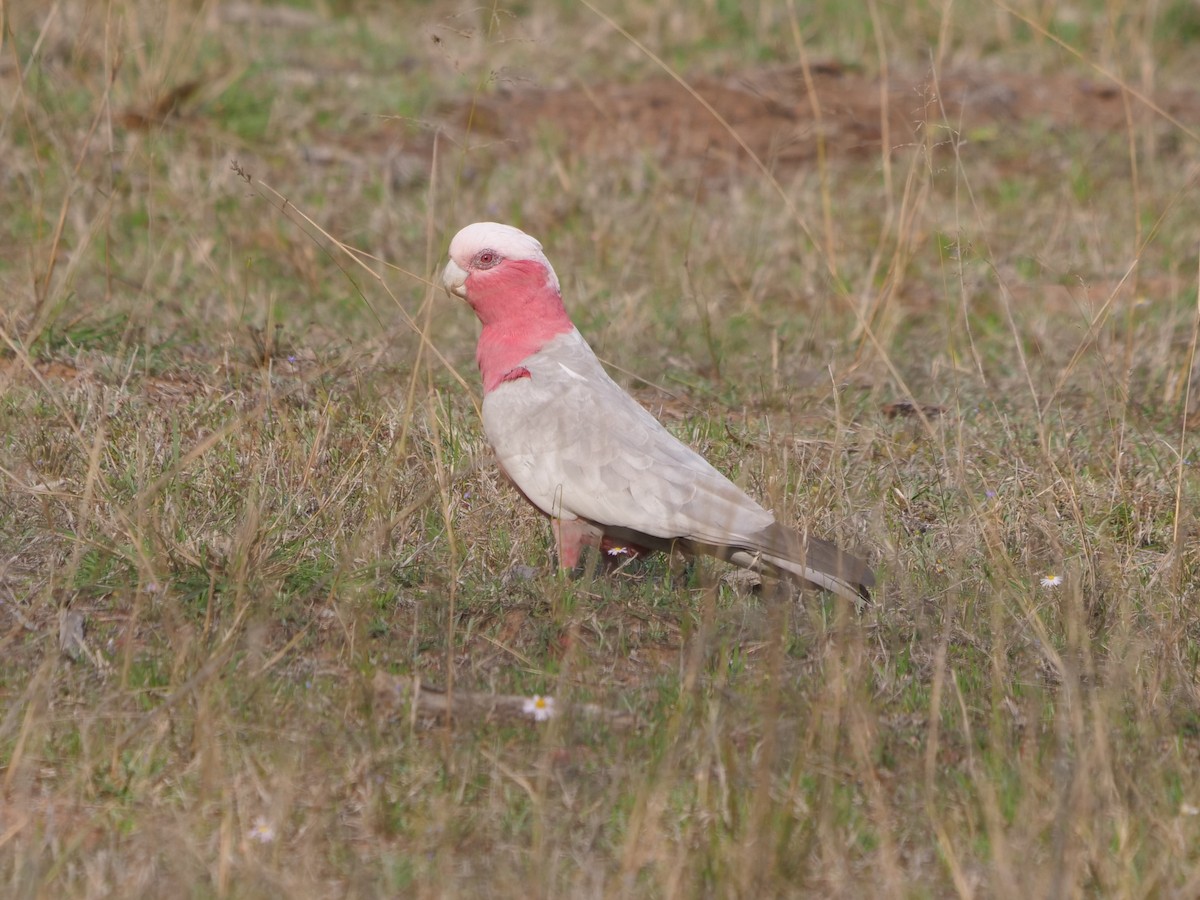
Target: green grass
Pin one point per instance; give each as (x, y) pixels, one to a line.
(241, 457)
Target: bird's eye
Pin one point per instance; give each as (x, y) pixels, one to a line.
(485, 259)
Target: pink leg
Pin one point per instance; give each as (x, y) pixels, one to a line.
(571, 536)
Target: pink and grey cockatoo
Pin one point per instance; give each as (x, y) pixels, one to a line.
(585, 453)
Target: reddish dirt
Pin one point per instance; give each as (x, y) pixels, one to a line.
(15, 370)
(780, 118)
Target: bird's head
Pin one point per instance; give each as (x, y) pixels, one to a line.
(502, 272)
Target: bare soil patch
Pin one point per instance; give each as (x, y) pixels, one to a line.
(782, 116)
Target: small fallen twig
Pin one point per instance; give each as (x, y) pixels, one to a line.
(404, 691)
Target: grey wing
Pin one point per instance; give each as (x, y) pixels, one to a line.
(578, 446)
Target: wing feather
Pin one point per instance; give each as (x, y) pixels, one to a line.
(579, 446)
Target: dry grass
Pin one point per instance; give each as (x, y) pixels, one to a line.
(239, 447)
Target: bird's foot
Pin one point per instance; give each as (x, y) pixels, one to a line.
(743, 581)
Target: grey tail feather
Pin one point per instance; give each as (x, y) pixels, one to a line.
(815, 560)
(819, 562)
(856, 592)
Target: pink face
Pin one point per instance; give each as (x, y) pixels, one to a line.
(502, 272)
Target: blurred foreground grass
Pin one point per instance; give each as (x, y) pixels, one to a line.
(242, 479)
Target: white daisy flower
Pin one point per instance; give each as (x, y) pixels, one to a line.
(1051, 580)
(541, 708)
(261, 831)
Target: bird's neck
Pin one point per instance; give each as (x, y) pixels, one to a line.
(521, 310)
(504, 346)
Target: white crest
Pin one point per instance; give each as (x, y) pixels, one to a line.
(509, 242)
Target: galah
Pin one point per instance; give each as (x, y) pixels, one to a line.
(589, 456)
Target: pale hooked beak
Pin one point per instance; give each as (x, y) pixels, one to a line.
(454, 279)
